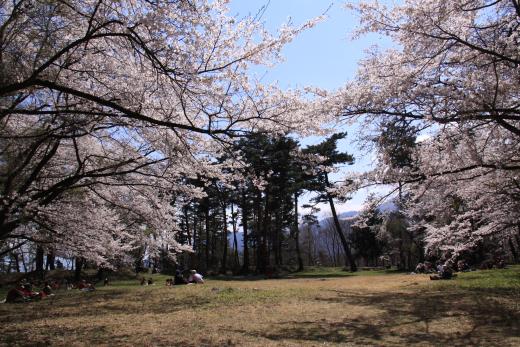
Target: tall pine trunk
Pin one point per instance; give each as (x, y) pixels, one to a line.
(262, 255)
(187, 222)
(223, 268)
(348, 255)
(206, 249)
(245, 266)
(236, 260)
(297, 234)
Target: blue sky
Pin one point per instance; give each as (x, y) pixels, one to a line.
(323, 56)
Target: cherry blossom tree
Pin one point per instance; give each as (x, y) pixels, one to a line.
(107, 106)
(453, 74)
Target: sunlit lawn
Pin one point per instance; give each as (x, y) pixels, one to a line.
(321, 307)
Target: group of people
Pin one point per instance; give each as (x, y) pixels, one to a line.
(443, 271)
(181, 277)
(146, 282)
(24, 292)
(189, 277)
(85, 286)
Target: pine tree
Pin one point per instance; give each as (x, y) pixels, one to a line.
(321, 184)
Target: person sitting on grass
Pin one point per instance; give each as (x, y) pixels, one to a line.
(444, 273)
(55, 285)
(16, 294)
(195, 277)
(179, 279)
(428, 267)
(22, 293)
(84, 286)
(28, 293)
(46, 290)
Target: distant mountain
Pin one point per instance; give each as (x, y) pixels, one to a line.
(348, 214)
(388, 206)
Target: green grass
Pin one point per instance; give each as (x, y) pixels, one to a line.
(324, 272)
(498, 280)
(320, 306)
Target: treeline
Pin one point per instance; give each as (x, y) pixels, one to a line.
(260, 201)
(248, 220)
(262, 205)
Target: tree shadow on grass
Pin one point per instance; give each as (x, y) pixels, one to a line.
(288, 276)
(321, 275)
(425, 318)
(94, 304)
(307, 274)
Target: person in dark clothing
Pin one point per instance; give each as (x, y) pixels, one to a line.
(444, 273)
(179, 279)
(15, 295)
(47, 289)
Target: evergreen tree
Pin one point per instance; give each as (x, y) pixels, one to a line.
(365, 234)
(322, 185)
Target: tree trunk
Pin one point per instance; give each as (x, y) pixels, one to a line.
(196, 243)
(297, 234)
(187, 221)
(262, 255)
(513, 250)
(236, 260)
(402, 265)
(245, 266)
(16, 261)
(348, 255)
(213, 252)
(9, 265)
(39, 261)
(223, 268)
(277, 239)
(49, 264)
(24, 264)
(517, 238)
(138, 265)
(78, 267)
(310, 247)
(420, 247)
(206, 217)
(101, 273)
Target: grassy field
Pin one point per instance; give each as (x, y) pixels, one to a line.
(317, 307)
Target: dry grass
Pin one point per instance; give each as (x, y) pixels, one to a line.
(385, 310)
